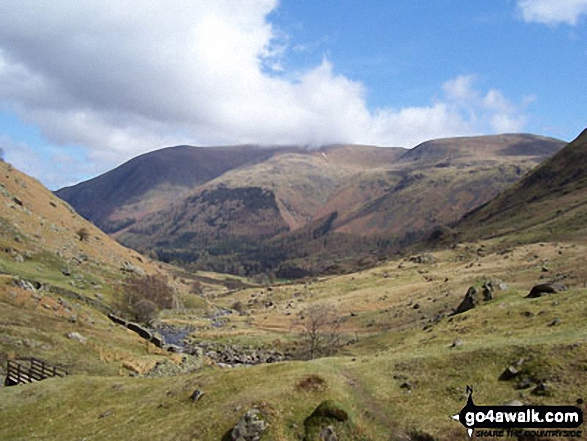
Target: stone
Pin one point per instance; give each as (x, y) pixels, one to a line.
(542, 389)
(525, 383)
(546, 288)
(197, 395)
(488, 291)
(513, 403)
(455, 344)
(508, 374)
(555, 322)
(77, 337)
(406, 385)
(23, 284)
(250, 427)
(469, 302)
(328, 434)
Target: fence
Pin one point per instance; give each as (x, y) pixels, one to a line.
(37, 370)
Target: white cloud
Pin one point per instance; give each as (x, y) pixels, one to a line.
(553, 12)
(122, 78)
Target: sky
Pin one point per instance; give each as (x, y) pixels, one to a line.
(86, 86)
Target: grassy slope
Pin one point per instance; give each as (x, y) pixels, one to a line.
(551, 201)
(391, 343)
(39, 243)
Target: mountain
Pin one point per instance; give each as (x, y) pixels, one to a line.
(548, 203)
(388, 340)
(295, 203)
(147, 183)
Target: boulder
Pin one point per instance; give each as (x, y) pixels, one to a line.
(488, 291)
(423, 259)
(77, 337)
(509, 373)
(469, 302)
(196, 395)
(328, 434)
(546, 288)
(250, 427)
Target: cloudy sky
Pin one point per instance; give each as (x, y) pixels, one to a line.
(85, 86)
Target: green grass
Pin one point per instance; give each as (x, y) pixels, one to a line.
(365, 378)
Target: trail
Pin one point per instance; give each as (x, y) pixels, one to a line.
(373, 409)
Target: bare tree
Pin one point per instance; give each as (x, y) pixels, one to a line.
(143, 297)
(319, 326)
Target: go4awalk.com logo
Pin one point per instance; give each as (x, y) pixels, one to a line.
(515, 421)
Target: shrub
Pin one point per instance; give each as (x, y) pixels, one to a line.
(143, 297)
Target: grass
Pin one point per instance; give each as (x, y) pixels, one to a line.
(365, 379)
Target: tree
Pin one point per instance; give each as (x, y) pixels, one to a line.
(319, 326)
(143, 297)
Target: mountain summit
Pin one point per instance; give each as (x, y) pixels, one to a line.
(220, 206)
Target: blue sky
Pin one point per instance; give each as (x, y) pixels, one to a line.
(85, 86)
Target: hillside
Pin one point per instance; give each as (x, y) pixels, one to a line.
(59, 277)
(375, 200)
(549, 203)
(392, 368)
(149, 182)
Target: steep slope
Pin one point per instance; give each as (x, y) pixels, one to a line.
(148, 183)
(550, 202)
(379, 195)
(436, 183)
(59, 277)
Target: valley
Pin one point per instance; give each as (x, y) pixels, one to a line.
(391, 360)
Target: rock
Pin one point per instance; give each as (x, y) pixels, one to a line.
(328, 434)
(173, 348)
(513, 403)
(250, 427)
(77, 337)
(488, 291)
(542, 389)
(18, 258)
(196, 395)
(406, 385)
(423, 259)
(458, 342)
(23, 284)
(508, 374)
(66, 272)
(469, 302)
(130, 268)
(546, 288)
(418, 435)
(525, 383)
(555, 322)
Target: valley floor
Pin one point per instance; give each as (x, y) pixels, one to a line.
(403, 370)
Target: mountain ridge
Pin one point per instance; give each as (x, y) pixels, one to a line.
(377, 193)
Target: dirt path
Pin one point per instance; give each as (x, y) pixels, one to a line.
(374, 409)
